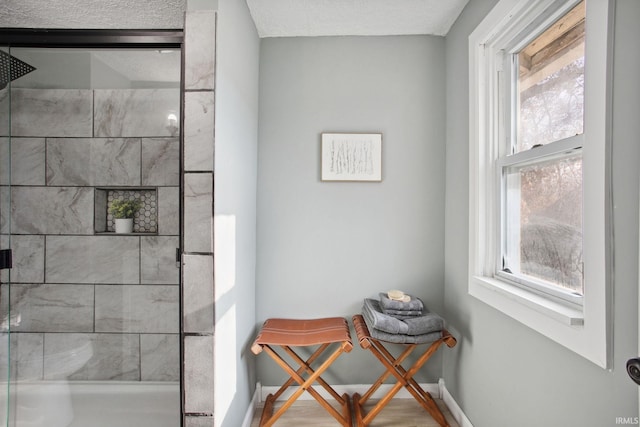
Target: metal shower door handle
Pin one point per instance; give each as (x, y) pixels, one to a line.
(6, 259)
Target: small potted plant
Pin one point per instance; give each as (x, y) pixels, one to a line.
(123, 212)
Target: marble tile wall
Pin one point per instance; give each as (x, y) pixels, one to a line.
(28, 259)
(51, 307)
(159, 360)
(169, 211)
(124, 355)
(159, 159)
(106, 357)
(198, 277)
(198, 212)
(4, 111)
(27, 159)
(135, 112)
(158, 260)
(51, 113)
(198, 372)
(147, 357)
(198, 130)
(92, 357)
(200, 42)
(93, 162)
(205, 420)
(141, 309)
(92, 259)
(26, 357)
(198, 313)
(51, 210)
(87, 306)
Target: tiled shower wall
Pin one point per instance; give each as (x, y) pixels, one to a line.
(197, 201)
(71, 286)
(198, 276)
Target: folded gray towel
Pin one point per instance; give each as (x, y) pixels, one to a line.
(404, 314)
(414, 304)
(401, 338)
(420, 325)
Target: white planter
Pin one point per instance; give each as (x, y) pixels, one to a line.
(124, 225)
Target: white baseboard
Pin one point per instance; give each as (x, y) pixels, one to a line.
(350, 389)
(453, 406)
(252, 407)
(438, 389)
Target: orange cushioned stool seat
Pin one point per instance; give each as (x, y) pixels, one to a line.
(404, 377)
(288, 333)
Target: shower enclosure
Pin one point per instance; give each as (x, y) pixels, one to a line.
(90, 319)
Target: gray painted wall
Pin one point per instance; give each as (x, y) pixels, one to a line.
(502, 373)
(236, 146)
(324, 246)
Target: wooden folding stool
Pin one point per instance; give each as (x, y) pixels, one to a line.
(287, 333)
(403, 376)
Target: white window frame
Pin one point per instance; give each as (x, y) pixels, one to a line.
(584, 329)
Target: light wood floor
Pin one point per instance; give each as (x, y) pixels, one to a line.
(398, 413)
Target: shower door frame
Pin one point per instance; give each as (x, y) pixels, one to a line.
(114, 39)
(6, 163)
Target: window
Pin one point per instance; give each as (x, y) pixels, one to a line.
(539, 158)
(541, 192)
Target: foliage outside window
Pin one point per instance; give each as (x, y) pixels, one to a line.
(542, 194)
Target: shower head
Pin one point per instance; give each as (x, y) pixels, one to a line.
(12, 68)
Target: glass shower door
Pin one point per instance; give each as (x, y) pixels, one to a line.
(93, 330)
(6, 70)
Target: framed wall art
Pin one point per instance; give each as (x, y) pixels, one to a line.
(351, 157)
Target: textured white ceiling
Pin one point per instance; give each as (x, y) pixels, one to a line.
(290, 18)
(111, 14)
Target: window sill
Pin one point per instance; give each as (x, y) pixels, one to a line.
(502, 296)
(582, 331)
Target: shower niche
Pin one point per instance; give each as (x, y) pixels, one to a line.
(145, 221)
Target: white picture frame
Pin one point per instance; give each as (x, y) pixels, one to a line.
(352, 157)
